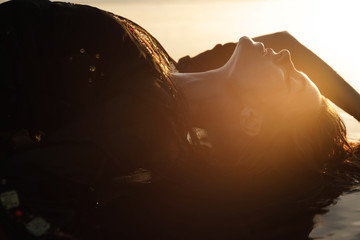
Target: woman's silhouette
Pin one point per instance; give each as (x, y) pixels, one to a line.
(104, 135)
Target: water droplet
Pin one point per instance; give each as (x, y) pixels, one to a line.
(90, 80)
(70, 58)
(82, 50)
(102, 74)
(38, 137)
(92, 68)
(97, 56)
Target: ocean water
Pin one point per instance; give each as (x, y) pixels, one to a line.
(328, 28)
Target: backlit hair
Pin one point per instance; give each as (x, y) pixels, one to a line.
(292, 150)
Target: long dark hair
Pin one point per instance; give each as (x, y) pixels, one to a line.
(298, 149)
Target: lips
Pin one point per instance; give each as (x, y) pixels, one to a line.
(263, 50)
(282, 57)
(269, 51)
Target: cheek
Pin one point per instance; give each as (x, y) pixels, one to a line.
(265, 81)
(272, 89)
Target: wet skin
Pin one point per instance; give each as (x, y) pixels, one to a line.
(269, 79)
(256, 78)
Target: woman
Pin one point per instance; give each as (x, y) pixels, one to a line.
(94, 110)
(288, 122)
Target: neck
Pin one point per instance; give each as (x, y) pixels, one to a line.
(199, 85)
(201, 90)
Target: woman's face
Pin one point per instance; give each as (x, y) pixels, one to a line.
(268, 81)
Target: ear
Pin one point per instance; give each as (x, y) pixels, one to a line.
(250, 121)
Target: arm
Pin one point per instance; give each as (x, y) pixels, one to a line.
(331, 84)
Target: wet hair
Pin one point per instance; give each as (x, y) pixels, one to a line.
(97, 85)
(315, 141)
(299, 149)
